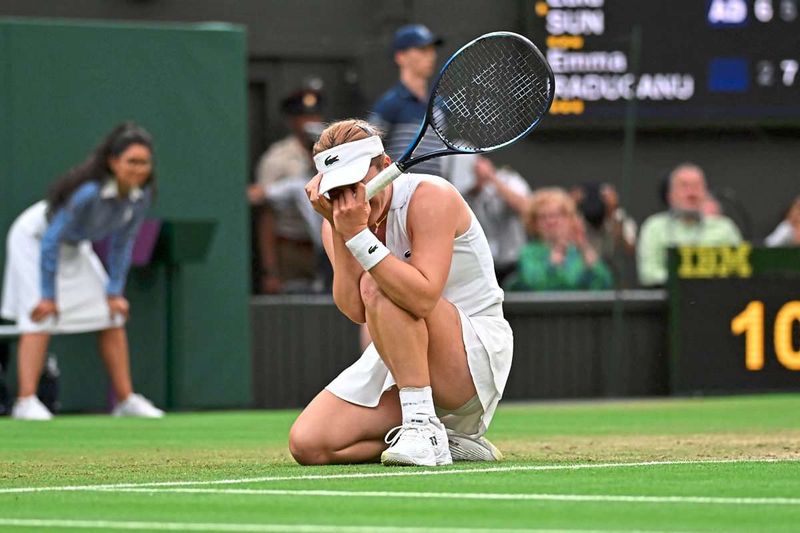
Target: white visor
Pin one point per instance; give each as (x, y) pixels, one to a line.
(347, 163)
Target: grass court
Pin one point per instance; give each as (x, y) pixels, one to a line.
(706, 464)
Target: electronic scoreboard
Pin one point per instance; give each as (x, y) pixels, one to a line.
(700, 62)
(734, 319)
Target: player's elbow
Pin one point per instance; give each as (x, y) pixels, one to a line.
(423, 301)
(419, 306)
(422, 307)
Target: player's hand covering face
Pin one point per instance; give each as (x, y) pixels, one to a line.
(319, 202)
(350, 209)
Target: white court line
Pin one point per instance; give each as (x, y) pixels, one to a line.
(390, 473)
(277, 528)
(614, 498)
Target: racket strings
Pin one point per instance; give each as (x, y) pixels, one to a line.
(516, 88)
(490, 94)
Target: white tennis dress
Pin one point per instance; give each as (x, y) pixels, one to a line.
(472, 287)
(80, 283)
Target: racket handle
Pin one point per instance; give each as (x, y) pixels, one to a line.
(382, 179)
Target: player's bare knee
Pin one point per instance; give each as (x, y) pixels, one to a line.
(371, 294)
(307, 448)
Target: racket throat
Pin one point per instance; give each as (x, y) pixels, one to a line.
(382, 179)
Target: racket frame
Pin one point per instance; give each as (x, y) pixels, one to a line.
(387, 175)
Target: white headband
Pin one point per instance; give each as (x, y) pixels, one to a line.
(346, 163)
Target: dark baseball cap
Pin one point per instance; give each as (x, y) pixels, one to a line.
(302, 102)
(412, 36)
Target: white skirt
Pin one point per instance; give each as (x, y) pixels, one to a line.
(489, 343)
(80, 281)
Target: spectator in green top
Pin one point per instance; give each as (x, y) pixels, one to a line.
(684, 223)
(559, 256)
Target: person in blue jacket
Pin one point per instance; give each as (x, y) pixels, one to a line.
(55, 283)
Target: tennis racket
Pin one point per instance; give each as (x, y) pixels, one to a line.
(490, 93)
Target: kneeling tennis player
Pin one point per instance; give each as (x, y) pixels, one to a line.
(413, 264)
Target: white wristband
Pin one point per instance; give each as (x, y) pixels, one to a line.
(367, 249)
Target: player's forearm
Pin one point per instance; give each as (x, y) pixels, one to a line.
(347, 274)
(406, 286)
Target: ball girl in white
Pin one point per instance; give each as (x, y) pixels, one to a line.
(55, 283)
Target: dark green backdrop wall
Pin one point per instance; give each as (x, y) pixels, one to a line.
(63, 85)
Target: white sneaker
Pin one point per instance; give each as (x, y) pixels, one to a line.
(30, 408)
(137, 405)
(466, 448)
(419, 442)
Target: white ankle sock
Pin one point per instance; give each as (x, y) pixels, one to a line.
(416, 401)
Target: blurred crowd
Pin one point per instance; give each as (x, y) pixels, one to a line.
(542, 238)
